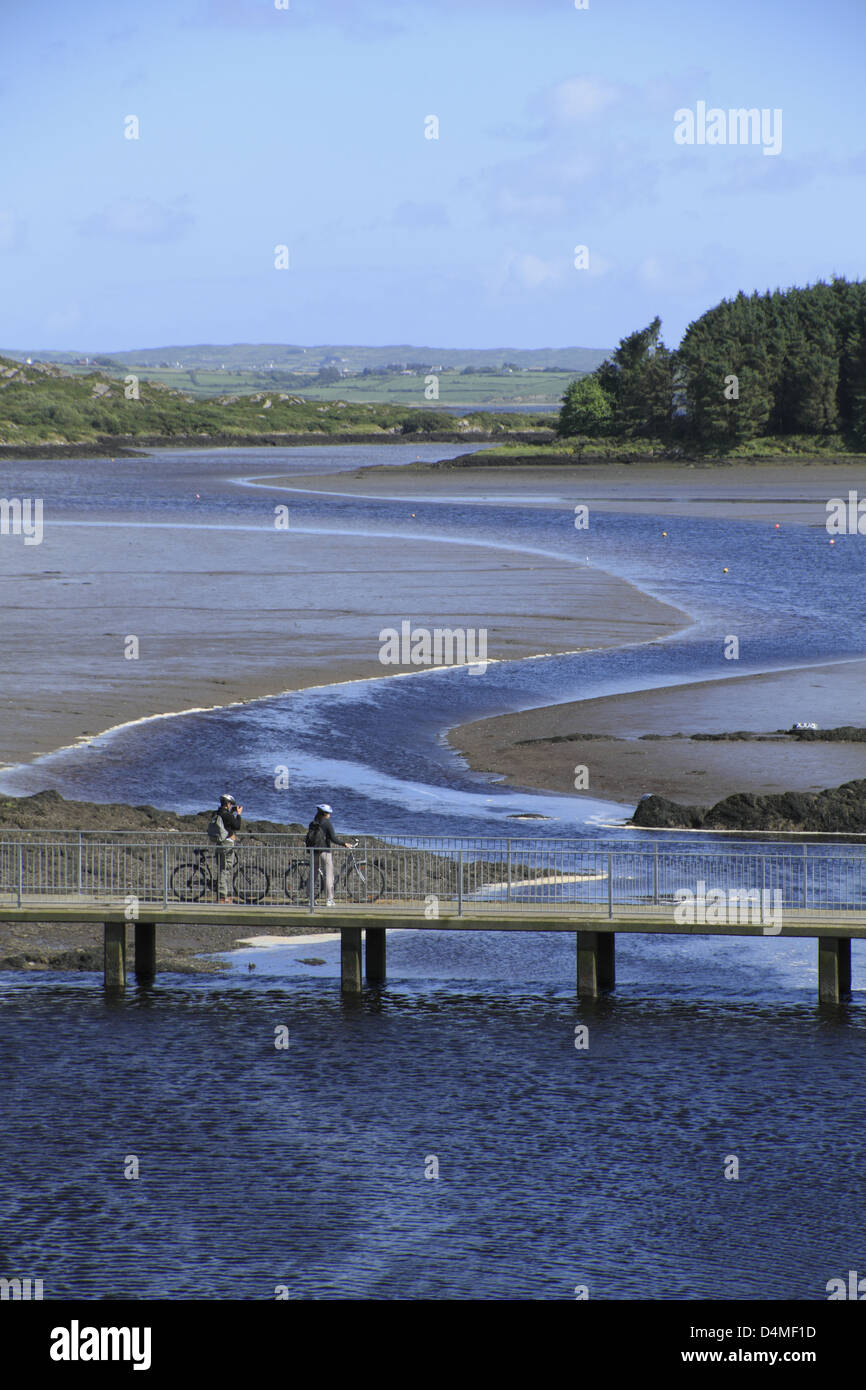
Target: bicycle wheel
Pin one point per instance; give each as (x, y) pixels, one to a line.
(189, 882)
(251, 883)
(297, 882)
(365, 883)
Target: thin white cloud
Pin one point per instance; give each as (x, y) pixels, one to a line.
(420, 215)
(672, 272)
(140, 219)
(530, 271)
(572, 186)
(12, 231)
(783, 174)
(580, 98)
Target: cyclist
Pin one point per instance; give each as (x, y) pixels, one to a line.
(321, 837)
(230, 814)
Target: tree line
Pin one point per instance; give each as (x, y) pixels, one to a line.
(789, 362)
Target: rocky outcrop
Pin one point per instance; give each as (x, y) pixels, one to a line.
(657, 812)
(50, 811)
(837, 809)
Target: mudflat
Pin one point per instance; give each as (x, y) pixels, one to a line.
(771, 491)
(621, 764)
(224, 614)
(221, 615)
(541, 748)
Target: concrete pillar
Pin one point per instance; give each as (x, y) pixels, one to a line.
(375, 955)
(115, 955)
(596, 970)
(350, 959)
(834, 969)
(145, 950)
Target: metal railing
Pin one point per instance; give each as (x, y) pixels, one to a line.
(488, 877)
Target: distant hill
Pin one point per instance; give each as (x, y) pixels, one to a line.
(350, 358)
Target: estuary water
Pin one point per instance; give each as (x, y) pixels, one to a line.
(443, 1136)
(376, 748)
(310, 1167)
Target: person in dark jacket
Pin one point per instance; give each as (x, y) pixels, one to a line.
(230, 814)
(322, 837)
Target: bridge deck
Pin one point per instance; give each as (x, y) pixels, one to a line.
(647, 918)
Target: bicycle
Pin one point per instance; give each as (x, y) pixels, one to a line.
(190, 882)
(362, 882)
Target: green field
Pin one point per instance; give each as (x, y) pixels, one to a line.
(456, 389)
(468, 378)
(43, 403)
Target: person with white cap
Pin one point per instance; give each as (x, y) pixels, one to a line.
(321, 837)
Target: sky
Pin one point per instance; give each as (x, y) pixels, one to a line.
(306, 127)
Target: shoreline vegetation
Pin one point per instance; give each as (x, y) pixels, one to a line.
(114, 448)
(507, 456)
(755, 378)
(43, 407)
(647, 453)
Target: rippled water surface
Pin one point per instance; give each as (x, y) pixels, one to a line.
(557, 1166)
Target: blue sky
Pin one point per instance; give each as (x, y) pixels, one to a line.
(305, 127)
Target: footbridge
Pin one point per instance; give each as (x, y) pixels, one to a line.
(133, 883)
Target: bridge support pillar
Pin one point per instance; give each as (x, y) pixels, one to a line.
(834, 969)
(350, 960)
(115, 955)
(375, 944)
(145, 951)
(596, 970)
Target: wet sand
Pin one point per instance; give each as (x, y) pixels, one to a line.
(622, 764)
(768, 492)
(233, 615)
(187, 948)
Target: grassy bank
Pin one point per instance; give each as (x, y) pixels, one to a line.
(44, 406)
(794, 449)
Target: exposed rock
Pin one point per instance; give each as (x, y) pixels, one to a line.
(50, 811)
(748, 811)
(839, 810)
(659, 812)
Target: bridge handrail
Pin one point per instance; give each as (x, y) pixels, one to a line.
(541, 875)
(665, 837)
